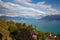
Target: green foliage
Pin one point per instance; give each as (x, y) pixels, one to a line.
(30, 27)
(40, 32)
(24, 25)
(12, 28)
(24, 34)
(19, 26)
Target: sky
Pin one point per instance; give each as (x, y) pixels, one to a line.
(29, 8)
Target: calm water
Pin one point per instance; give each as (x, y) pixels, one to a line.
(45, 26)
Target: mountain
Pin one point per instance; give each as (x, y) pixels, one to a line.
(16, 18)
(51, 18)
(46, 18)
(12, 18)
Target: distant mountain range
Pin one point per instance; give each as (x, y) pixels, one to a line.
(12, 18)
(46, 18)
(16, 18)
(51, 18)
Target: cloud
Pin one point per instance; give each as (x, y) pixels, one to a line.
(10, 9)
(38, 5)
(23, 1)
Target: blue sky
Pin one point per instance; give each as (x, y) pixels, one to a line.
(29, 8)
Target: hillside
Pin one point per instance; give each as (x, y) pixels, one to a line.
(10, 30)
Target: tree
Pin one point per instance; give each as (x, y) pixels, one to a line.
(24, 25)
(23, 34)
(30, 28)
(19, 25)
(12, 28)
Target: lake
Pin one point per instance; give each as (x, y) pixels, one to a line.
(45, 26)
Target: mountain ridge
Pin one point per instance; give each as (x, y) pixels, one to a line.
(16, 18)
(51, 18)
(46, 18)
